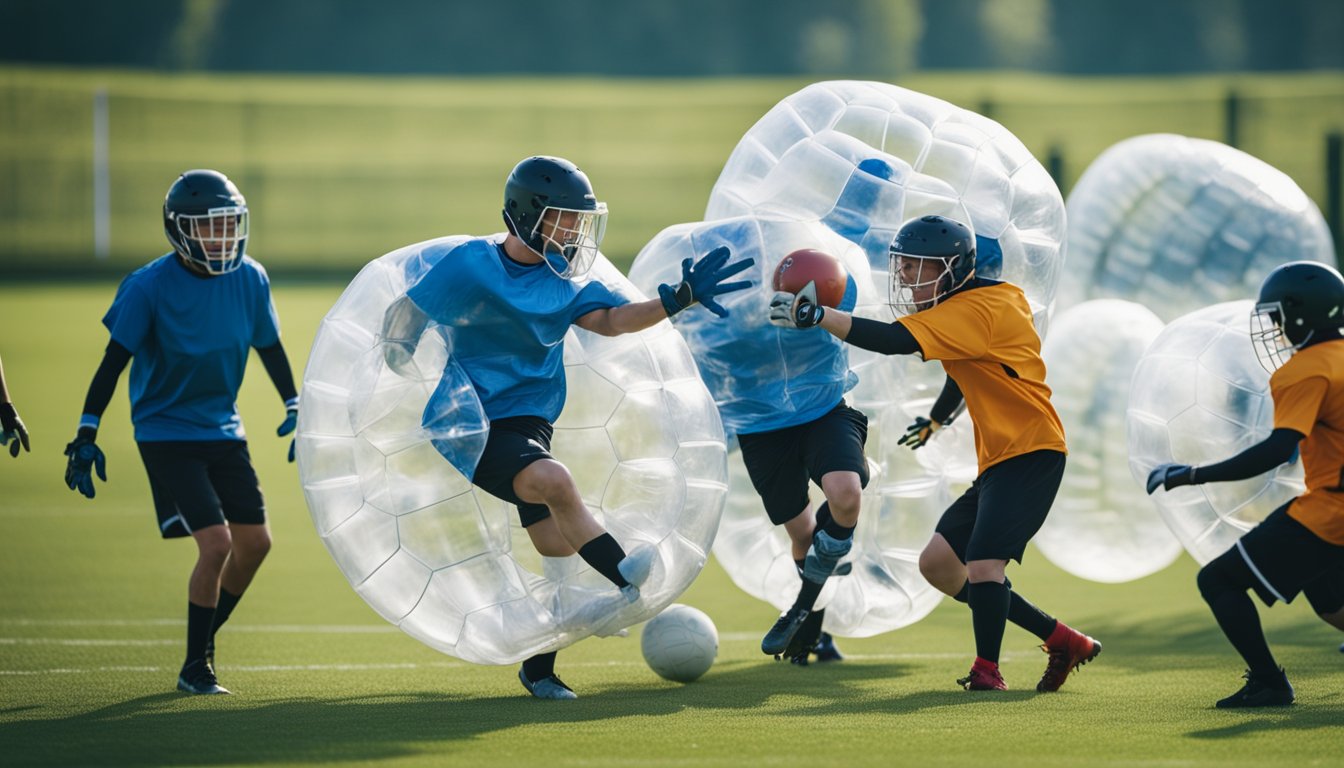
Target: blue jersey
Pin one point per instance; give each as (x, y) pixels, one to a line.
(189, 337)
(764, 377)
(506, 324)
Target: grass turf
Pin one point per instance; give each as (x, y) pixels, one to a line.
(91, 633)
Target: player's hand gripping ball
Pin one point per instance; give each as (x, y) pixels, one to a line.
(808, 265)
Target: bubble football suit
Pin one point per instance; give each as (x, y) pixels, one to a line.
(1101, 526)
(384, 458)
(838, 167)
(1173, 224)
(1176, 224)
(1200, 395)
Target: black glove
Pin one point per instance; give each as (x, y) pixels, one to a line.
(11, 428)
(1170, 476)
(703, 280)
(85, 457)
(287, 426)
(917, 434)
(796, 310)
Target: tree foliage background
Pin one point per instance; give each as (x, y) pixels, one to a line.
(687, 38)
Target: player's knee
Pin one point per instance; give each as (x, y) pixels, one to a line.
(845, 502)
(551, 481)
(1213, 580)
(946, 576)
(214, 544)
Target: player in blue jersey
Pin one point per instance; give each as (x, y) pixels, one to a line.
(507, 301)
(792, 425)
(186, 322)
(11, 426)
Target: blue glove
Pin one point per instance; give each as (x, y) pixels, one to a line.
(85, 457)
(1170, 476)
(291, 421)
(917, 434)
(703, 280)
(12, 428)
(796, 310)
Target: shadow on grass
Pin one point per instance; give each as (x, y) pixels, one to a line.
(1188, 640)
(1298, 717)
(170, 729)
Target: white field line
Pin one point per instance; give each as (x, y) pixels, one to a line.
(349, 629)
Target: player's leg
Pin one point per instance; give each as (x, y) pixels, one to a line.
(235, 483)
(1277, 559)
(1224, 584)
(1326, 595)
(516, 465)
(186, 505)
(774, 463)
(1015, 498)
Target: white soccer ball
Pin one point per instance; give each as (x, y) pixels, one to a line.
(451, 565)
(1199, 395)
(680, 643)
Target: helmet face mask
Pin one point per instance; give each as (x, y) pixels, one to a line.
(550, 206)
(1272, 347)
(1300, 302)
(929, 259)
(569, 239)
(205, 218)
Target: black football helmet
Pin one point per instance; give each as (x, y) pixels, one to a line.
(1298, 302)
(549, 204)
(929, 251)
(205, 218)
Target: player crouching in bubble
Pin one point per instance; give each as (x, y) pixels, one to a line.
(508, 301)
(1300, 547)
(813, 434)
(982, 332)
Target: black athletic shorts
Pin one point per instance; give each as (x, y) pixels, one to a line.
(1287, 558)
(781, 461)
(513, 444)
(1005, 506)
(200, 483)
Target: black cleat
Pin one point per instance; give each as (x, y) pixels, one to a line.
(1260, 691)
(199, 678)
(777, 640)
(826, 650)
(549, 687)
(805, 641)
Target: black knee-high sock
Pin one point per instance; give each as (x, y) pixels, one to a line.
(989, 615)
(227, 602)
(1024, 614)
(823, 515)
(1020, 611)
(540, 666)
(200, 620)
(603, 553)
(1232, 607)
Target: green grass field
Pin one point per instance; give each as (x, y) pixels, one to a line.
(91, 632)
(340, 170)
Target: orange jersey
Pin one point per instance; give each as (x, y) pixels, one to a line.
(1308, 394)
(988, 345)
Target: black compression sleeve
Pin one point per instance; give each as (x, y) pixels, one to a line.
(105, 380)
(947, 403)
(1259, 458)
(277, 367)
(883, 338)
